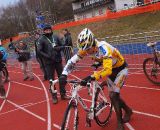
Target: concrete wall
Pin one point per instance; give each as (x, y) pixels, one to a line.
(125, 4)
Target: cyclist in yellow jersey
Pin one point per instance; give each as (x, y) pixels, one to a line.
(114, 68)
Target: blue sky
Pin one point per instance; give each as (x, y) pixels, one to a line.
(4, 3)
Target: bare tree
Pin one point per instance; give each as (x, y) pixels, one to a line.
(21, 16)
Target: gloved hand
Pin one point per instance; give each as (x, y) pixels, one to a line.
(63, 80)
(96, 65)
(86, 80)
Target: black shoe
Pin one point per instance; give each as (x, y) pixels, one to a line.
(7, 80)
(44, 79)
(31, 79)
(54, 97)
(2, 92)
(120, 126)
(127, 116)
(26, 78)
(65, 97)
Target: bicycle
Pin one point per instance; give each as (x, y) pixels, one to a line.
(100, 109)
(151, 66)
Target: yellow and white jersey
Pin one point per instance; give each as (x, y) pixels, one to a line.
(107, 54)
(108, 51)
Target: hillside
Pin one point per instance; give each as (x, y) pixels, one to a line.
(127, 25)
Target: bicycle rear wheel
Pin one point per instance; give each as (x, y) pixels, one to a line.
(103, 109)
(70, 121)
(152, 70)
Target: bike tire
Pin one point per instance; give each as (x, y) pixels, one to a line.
(149, 76)
(4, 74)
(69, 109)
(108, 110)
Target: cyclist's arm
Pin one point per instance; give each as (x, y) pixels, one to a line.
(107, 69)
(106, 62)
(71, 63)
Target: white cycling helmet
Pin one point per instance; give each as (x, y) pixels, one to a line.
(85, 39)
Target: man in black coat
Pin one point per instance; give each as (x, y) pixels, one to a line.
(38, 56)
(49, 48)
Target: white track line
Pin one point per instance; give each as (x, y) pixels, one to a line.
(31, 86)
(147, 114)
(136, 73)
(26, 106)
(129, 126)
(48, 104)
(4, 100)
(138, 87)
(15, 72)
(57, 126)
(19, 67)
(29, 112)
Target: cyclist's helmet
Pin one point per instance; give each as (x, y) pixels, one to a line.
(85, 39)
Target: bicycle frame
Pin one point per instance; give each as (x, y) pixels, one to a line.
(99, 102)
(76, 98)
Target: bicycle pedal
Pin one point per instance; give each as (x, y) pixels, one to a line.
(88, 122)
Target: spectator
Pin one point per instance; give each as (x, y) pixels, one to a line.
(2, 89)
(4, 59)
(24, 57)
(49, 48)
(62, 38)
(68, 45)
(11, 45)
(39, 58)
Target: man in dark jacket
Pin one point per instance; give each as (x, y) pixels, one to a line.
(68, 52)
(38, 56)
(49, 47)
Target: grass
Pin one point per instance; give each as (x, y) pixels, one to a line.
(127, 25)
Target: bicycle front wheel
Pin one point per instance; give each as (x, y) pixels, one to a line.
(152, 70)
(103, 108)
(70, 121)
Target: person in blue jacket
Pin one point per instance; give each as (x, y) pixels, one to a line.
(4, 59)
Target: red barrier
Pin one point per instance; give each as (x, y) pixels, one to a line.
(111, 15)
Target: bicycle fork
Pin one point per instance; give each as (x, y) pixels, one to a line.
(90, 114)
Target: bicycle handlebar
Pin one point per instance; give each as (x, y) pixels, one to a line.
(53, 82)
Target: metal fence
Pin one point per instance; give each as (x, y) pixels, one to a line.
(132, 46)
